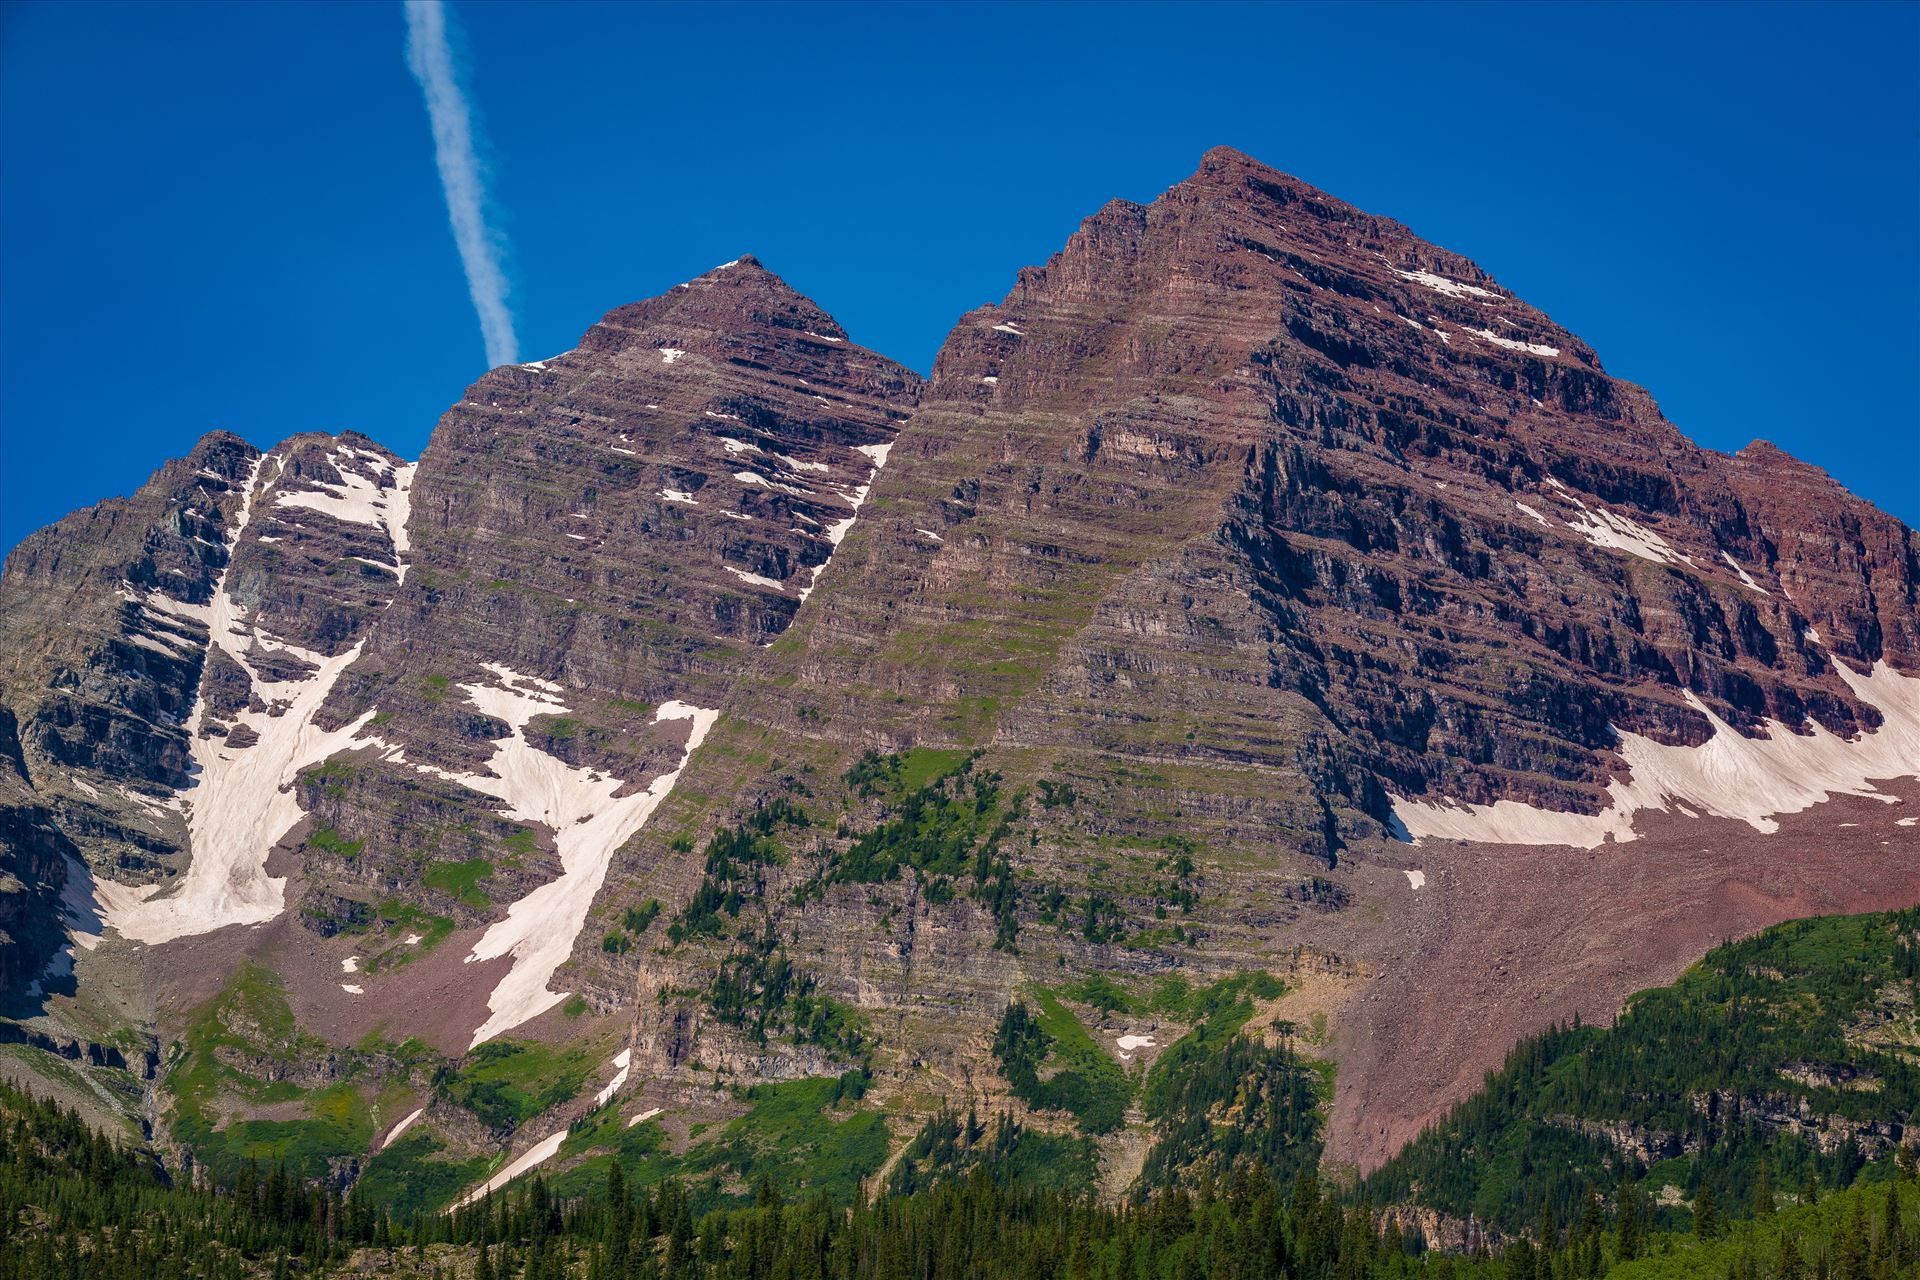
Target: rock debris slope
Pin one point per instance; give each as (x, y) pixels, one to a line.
(1256, 587)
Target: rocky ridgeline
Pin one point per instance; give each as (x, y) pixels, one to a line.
(1246, 519)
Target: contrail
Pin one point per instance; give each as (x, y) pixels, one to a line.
(431, 60)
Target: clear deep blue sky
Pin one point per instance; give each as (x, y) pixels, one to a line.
(228, 216)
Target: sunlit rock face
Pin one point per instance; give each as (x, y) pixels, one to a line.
(1303, 600)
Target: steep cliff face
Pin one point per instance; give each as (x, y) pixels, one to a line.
(1256, 588)
(1272, 535)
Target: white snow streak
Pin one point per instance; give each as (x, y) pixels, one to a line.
(1744, 576)
(1417, 879)
(590, 820)
(1531, 348)
(1530, 513)
(621, 1062)
(360, 499)
(838, 530)
(1604, 528)
(753, 578)
(1451, 288)
(393, 1134)
(241, 803)
(537, 1154)
(1727, 776)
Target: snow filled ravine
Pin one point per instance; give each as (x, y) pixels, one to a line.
(241, 802)
(589, 817)
(1728, 776)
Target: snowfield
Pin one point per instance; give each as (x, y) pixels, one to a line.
(1727, 776)
(241, 803)
(589, 817)
(1604, 528)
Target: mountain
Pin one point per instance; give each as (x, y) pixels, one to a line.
(1265, 649)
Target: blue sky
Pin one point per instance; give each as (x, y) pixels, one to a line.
(228, 215)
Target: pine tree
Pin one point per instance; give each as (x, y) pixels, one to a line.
(1707, 1221)
(1629, 1227)
(1763, 1191)
(1789, 1264)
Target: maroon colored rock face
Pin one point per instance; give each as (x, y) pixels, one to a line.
(1246, 517)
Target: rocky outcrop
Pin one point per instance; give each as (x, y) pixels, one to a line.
(1245, 518)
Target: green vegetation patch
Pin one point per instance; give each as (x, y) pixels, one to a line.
(1809, 1020)
(949, 1147)
(461, 881)
(416, 1175)
(734, 859)
(250, 1023)
(327, 840)
(801, 1135)
(949, 827)
(507, 1082)
(403, 920)
(1052, 1064)
(760, 990)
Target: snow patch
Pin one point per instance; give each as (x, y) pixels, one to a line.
(352, 989)
(1745, 578)
(1417, 879)
(877, 454)
(1531, 348)
(360, 499)
(621, 1061)
(1531, 514)
(589, 817)
(679, 495)
(1451, 288)
(393, 1134)
(350, 965)
(669, 354)
(1604, 528)
(643, 1116)
(1727, 776)
(538, 1154)
(753, 578)
(242, 802)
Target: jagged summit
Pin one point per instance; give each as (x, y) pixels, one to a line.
(1255, 587)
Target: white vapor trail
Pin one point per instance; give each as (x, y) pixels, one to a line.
(431, 60)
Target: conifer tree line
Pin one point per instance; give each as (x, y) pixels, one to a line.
(75, 1205)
